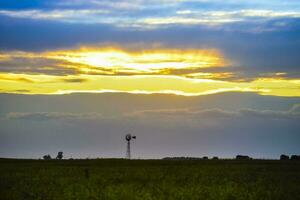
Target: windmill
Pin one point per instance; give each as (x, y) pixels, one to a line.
(128, 137)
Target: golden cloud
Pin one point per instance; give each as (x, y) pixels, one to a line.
(145, 84)
(112, 69)
(114, 60)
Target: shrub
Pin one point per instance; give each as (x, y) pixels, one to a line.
(284, 157)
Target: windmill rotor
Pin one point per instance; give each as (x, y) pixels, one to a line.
(128, 137)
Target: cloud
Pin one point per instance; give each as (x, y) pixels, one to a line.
(24, 62)
(143, 4)
(185, 112)
(295, 108)
(119, 19)
(269, 114)
(170, 115)
(22, 91)
(3, 77)
(216, 18)
(143, 84)
(74, 80)
(251, 53)
(206, 114)
(44, 116)
(82, 16)
(118, 61)
(262, 42)
(109, 61)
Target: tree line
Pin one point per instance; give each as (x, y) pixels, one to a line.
(58, 157)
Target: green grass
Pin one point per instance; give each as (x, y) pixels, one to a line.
(149, 179)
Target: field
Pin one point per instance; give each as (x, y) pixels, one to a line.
(149, 179)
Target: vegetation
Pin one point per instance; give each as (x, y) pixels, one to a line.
(59, 155)
(47, 157)
(149, 179)
(284, 157)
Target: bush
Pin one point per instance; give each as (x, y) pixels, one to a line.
(284, 157)
(47, 157)
(241, 157)
(295, 157)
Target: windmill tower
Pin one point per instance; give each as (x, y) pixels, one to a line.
(128, 138)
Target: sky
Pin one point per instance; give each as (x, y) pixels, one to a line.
(188, 77)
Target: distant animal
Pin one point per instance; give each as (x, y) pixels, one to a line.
(284, 157)
(241, 157)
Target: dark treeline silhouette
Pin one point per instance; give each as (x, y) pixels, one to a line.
(189, 158)
(185, 158)
(58, 157)
(47, 157)
(286, 157)
(295, 157)
(238, 157)
(242, 157)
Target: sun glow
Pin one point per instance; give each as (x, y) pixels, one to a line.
(110, 69)
(143, 61)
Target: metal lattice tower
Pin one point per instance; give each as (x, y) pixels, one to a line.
(128, 153)
(128, 138)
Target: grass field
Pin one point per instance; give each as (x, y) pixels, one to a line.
(149, 179)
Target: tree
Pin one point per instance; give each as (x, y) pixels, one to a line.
(47, 157)
(284, 157)
(295, 157)
(59, 155)
(241, 157)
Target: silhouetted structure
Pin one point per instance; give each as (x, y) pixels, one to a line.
(242, 157)
(59, 155)
(47, 157)
(284, 157)
(295, 157)
(128, 138)
(182, 158)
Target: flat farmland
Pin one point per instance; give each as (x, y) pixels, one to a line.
(149, 179)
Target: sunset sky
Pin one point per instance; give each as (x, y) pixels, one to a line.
(188, 77)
